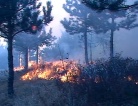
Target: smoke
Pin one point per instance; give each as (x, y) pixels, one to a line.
(66, 47)
(3, 58)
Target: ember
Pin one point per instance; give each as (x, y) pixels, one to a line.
(19, 68)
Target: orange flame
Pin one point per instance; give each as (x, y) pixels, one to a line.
(19, 68)
(66, 71)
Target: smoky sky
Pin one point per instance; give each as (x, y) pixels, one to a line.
(125, 41)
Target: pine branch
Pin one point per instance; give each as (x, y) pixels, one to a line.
(25, 6)
(109, 7)
(3, 36)
(3, 33)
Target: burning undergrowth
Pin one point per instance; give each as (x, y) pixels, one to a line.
(66, 71)
(71, 71)
(40, 86)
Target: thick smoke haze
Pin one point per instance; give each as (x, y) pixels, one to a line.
(3, 58)
(125, 41)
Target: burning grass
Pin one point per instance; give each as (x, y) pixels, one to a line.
(65, 71)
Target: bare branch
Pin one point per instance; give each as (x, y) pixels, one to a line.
(19, 31)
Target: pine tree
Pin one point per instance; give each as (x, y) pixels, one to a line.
(44, 39)
(112, 10)
(127, 21)
(82, 21)
(83, 18)
(17, 16)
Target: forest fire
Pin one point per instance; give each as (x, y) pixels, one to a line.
(20, 68)
(66, 71)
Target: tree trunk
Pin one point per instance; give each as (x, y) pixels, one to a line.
(86, 47)
(112, 44)
(112, 39)
(91, 49)
(37, 55)
(26, 59)
(111, 73)
(91, 53)
(11, 71)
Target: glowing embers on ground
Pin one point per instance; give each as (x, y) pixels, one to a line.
(30, 65)
(18, 68)
(65, 71)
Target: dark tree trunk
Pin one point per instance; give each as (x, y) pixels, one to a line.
(37, 55)
(111, 73)
(11, 71)
(91, 49)
(112, 44)
(90, 52)
(112, 39)
(26, 59)
(86, 47)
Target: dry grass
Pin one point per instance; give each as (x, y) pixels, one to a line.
(50, 93)
(33, 93)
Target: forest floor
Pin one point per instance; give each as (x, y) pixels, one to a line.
(96, 87)
(32, 93)
(51, 93)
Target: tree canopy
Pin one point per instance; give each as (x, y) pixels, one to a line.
(19, 15)
(113, 5)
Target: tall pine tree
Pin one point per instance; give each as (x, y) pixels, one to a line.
(17, 16)
(82, 21)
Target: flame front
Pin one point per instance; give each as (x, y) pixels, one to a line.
(66, 71)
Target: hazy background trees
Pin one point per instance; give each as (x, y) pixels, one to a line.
(66, 47)
(82, 21)
(24, 43)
